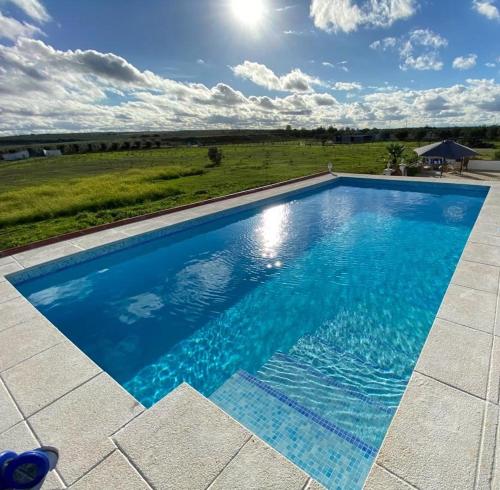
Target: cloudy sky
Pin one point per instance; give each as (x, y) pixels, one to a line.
(87, 65)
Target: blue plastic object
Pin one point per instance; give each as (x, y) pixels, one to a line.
(26, 470)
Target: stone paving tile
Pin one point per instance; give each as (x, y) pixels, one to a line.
(23, 341)
(434, 439)
(9, 414)
(192, 438)
(257, 465)
(477, 276)
(497, 319)
(485, 238)
(144, 226)
(79, 424)
(40, 255)
(47, 376)
(480, 252)
(99, 238)
(469, 307)
(487, 455)
(19, 439)
(6, 260)
(8, 292)
(494, 376)
(380, 479)
(496, 463)
(114, 473)
(458, 356)
(490, 214)
(15, 311)
(7, 269)
(314, 485)
(488, 228)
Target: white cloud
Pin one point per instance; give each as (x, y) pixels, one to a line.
(285, 8)
(384, 44)
(347, 16)
(43, 89)
(490, 65)
(347, 86)
(424, 62)
(418, 50)
(324, 100)
(32, 8)
(486, 8)
(341, 65)
(295, 81)
(11, 28)
(465, 62)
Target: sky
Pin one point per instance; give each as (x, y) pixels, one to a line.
(126, 65)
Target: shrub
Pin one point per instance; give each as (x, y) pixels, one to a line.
(215, 156)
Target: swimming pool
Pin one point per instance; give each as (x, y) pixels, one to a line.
(302, 318)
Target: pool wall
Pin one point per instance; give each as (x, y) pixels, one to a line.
(443, 435)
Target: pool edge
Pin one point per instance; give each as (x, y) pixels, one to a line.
(444, 433)
(388, 460)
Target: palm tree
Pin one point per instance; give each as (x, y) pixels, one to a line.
(395, 151)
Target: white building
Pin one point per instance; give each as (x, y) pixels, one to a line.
(18, 155)
(52, 153)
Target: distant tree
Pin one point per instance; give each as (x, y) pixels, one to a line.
(288, 128)
(158, 143)
(479, 133)
(148, 144)
(75, 148)
(61, 148)
(136, 145)
(492, 133)
(385, 135)
(114, 146)
(215, 156)
(103, 146)
(126, 145)
(420, 134)
(402, 134)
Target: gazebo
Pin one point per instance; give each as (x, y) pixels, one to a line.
(447, 150)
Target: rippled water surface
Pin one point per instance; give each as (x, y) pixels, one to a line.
(360, 267)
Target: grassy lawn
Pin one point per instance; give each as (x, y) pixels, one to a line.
(40, 198)
(490, 153)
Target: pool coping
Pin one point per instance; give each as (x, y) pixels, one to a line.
(29, 344)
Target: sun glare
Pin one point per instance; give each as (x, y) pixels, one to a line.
(249, 12)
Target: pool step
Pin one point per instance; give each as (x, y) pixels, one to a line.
(326, 451)
(381, 384)
(359, 414)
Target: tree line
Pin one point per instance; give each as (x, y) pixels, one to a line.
(478, 137)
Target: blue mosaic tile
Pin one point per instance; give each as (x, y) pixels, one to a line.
(328, 453)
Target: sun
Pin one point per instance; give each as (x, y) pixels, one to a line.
(249, 12)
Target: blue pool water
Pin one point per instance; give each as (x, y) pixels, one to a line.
(303, 318)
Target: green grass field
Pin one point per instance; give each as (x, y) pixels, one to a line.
(40, 197)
